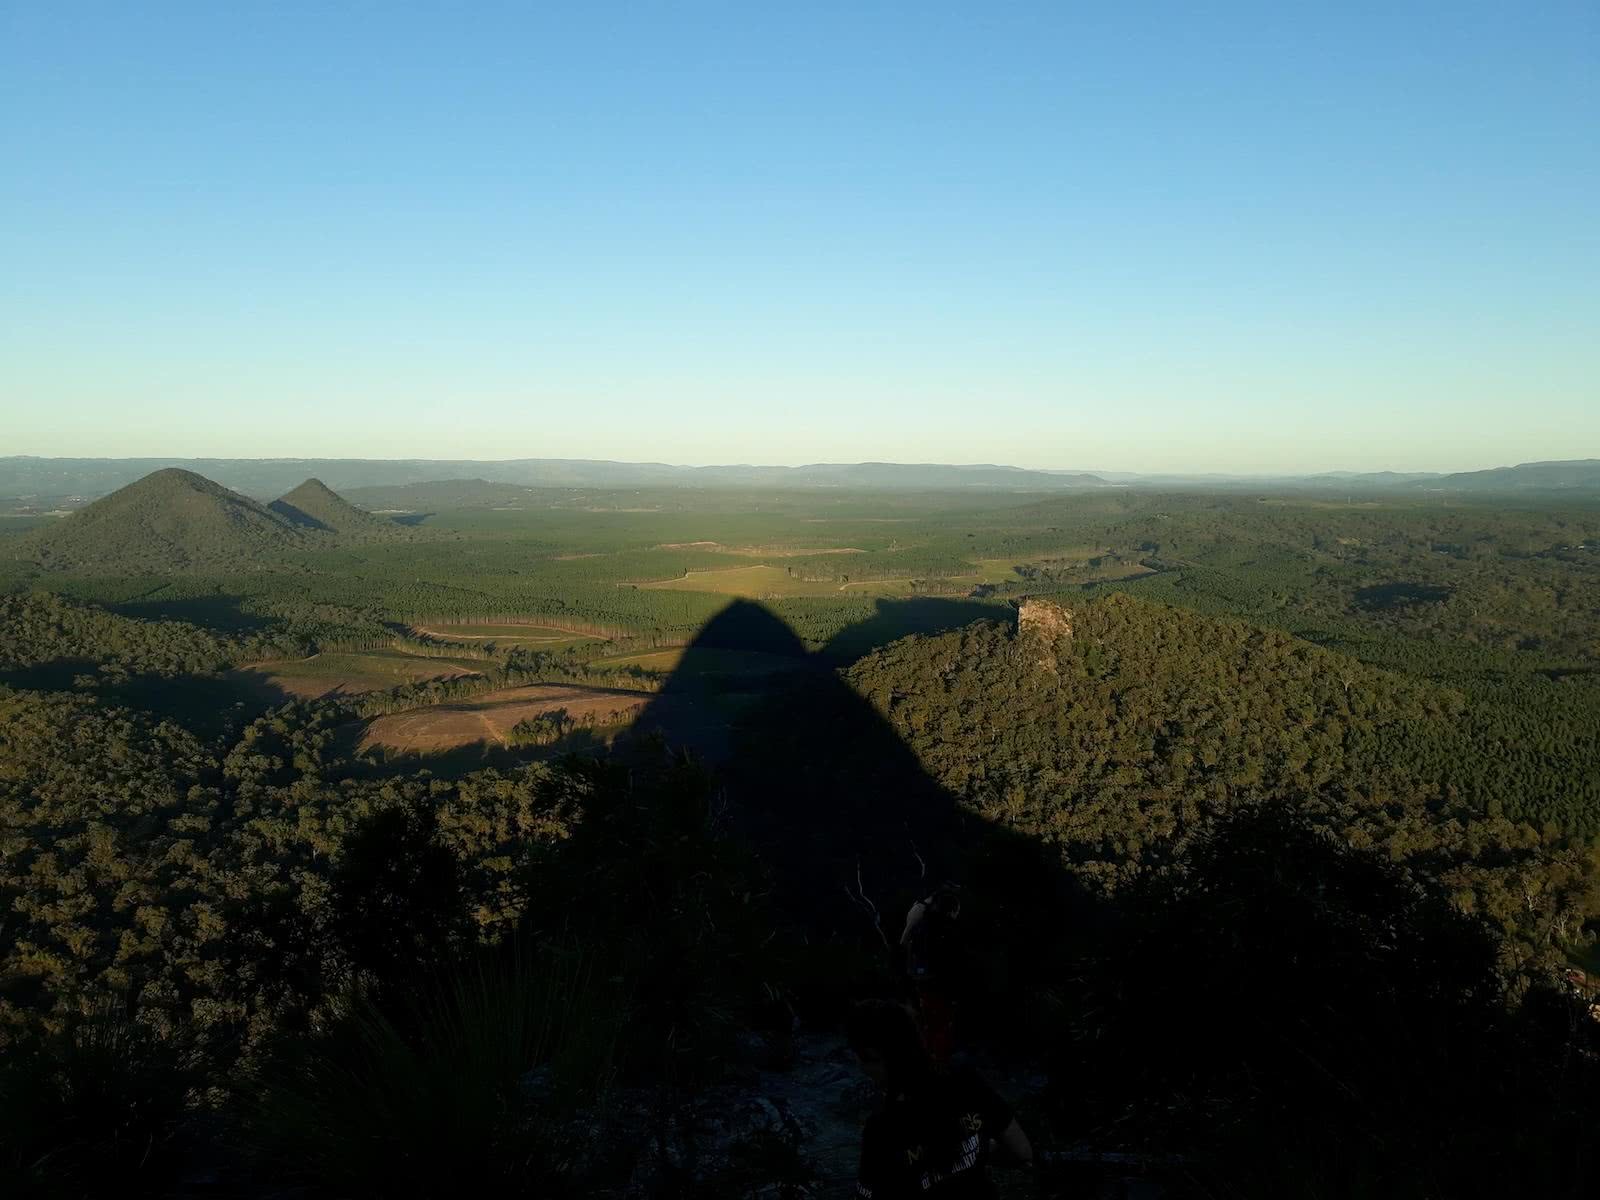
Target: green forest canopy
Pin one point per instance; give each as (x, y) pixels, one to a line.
(1419, 680)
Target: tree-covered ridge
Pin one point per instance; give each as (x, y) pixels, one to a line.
(47, 640)
(40, 628)
(251, 907)
(192, 927)
(200, 886)
(1125, 728)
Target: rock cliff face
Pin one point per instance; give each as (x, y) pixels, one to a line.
(1043, 620)
(1040, 625)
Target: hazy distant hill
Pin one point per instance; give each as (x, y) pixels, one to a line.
(58, 478)
(1576, 473)
(24, 475)
(930, 475)
(1374, 478)
(315, 506)
(170, 519)
(441, 494)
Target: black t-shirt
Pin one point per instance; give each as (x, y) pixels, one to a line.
(935, 1145)
(931, 951)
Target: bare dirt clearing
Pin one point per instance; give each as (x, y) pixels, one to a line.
(519, 633)
(347, 673)
(761, 551)
(706, 660)
(767, 582)
(490, 717)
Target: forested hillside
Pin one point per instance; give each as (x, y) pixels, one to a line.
(1277, 819)
(174, 520)
(1118, 730)
(170, 519)
(39, 630)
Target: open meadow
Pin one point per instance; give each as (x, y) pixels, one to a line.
(505, 633)
(766, 582)
(493, 717)
(350, 672)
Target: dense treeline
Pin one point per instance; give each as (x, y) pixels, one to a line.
(1333, 791)
(234, 927)
(42, 629)
(1126, 728)
(141, 865)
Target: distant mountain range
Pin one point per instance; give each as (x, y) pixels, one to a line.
(1550, 476)
(265, 478)
(175, 519)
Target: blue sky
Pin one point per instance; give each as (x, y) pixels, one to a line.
(1128, 236)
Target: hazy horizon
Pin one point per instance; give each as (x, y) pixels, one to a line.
(772, 463)
(1247, 240)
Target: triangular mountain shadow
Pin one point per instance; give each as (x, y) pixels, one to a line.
(895, 619)
(748, 626)
(1283, 1009)
(297, 517)
(850, 826)
(728, 667)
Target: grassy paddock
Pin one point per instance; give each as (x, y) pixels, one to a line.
(750, 583)
(492, 716)
(774, 583)
(345, 673)
(507, 633)
(701, 660)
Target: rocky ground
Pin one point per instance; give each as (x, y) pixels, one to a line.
(786, 1126)
(789, 1128)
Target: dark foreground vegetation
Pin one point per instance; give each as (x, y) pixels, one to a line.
(1276, 821)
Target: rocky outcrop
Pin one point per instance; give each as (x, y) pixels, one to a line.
(1041, 618)
(785, 1126)
(1040, 625)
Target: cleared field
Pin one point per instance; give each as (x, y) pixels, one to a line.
(995, 570)
(899, 587)
(705, 660)
(768, 582)
(345, 673)
(490, 717)
(1078, 561)
(751, 583)
(518, 633)
(650, 660)
(761, 551)
(1117, 572)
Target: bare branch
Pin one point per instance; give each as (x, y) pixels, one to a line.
(862, 901)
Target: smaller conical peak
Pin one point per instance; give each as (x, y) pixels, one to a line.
(314, 505)
(313, 487)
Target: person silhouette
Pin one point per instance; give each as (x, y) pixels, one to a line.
(932, 964)
(934, 1134)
